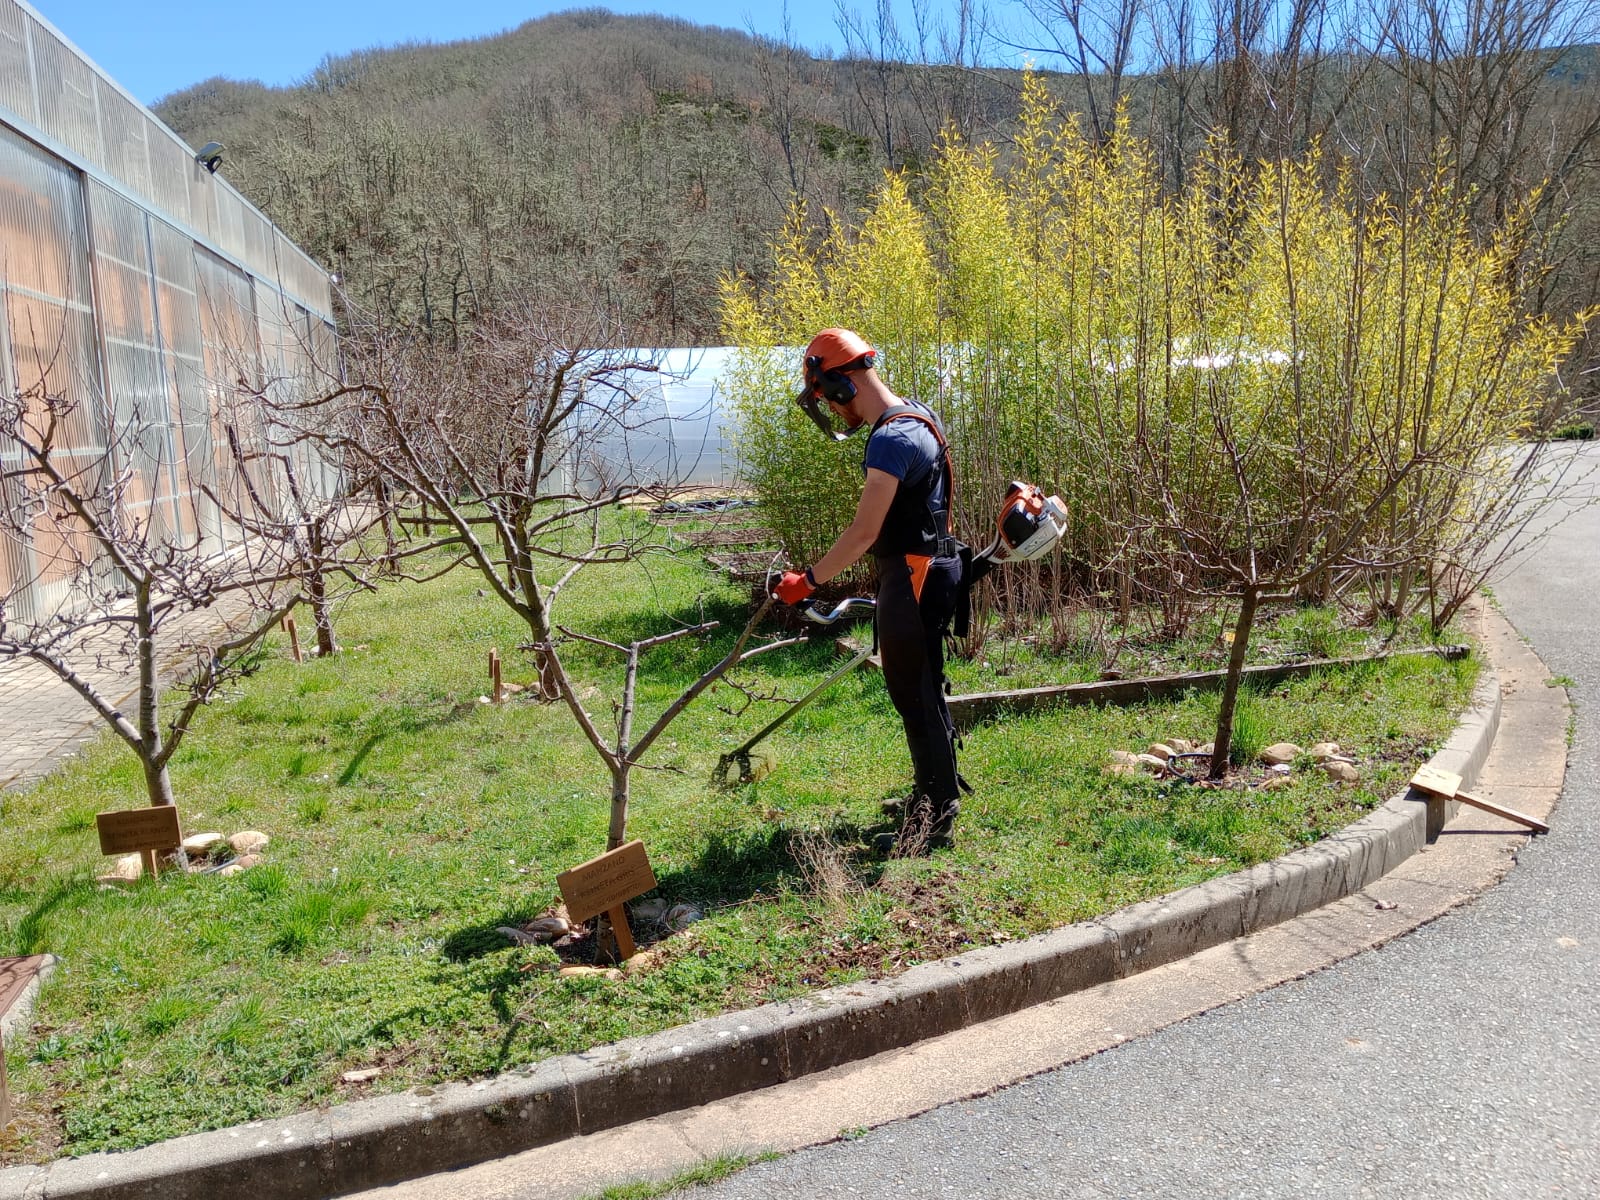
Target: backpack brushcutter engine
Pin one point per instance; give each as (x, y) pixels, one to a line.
(1030, 526)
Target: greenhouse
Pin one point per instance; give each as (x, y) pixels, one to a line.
(143, 298)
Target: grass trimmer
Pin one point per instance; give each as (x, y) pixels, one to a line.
(1029, 527)
(740, 755)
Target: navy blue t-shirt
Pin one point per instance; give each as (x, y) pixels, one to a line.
(907, 449)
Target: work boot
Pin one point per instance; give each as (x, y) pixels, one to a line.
(941, 830)
(927, 827)
(895, 806)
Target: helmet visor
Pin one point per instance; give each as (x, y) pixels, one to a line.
(815, 407)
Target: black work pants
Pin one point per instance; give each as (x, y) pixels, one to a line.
(911, 643)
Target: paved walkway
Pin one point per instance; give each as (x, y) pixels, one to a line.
(43, 721)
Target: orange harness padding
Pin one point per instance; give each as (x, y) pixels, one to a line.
(918, 564)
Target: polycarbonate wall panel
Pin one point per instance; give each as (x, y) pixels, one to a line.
(122, 129)
(258, 245)
(146, 436)
(16, 74)
(169, 174)
(51, 352)
(232, 369)
(203, 189)
(229, 230)
(178, 315)
(278, 340)
(66, 87)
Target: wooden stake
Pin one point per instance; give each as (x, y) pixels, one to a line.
(152, 863)
(294, 638)
(499, 691)
(5, 1096)
(624, 935)
(1446, 786)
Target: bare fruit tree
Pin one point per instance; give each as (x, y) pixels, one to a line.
(515, 449)
(107, 561)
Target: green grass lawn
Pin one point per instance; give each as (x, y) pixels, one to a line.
(408, 820)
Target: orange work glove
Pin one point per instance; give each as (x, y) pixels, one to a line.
(795, 586)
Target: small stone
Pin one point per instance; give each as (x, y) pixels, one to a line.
(1153, 764)
(1341, 772)
(128, 867)
(579, 972)
(513, 934)
(548, 929)
(1122, 769)
(248, 841)
(201, 843)
(681, 916)
(365, 1075)
(1385, 905)
(1280, 752)
(1273, 781)
(1124, 757)
(649, 911)
(1160, 750)
(1181, 745)
(1208, 748)
(642, 961)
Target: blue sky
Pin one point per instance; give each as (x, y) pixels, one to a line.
(153, 47)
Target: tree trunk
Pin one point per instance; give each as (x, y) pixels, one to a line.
(321, 612)
(157, 784)
(622, 767)
(1230, 689)
(619, 805)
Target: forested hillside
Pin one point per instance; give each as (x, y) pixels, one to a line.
(628, 162)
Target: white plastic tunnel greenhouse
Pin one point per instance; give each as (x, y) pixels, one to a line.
(666, 427)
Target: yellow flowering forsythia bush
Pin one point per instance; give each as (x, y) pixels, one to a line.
(1268, 380)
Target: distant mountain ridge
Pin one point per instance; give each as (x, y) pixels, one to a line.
(626, 163)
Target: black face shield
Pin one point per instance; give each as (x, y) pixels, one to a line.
(812, 406)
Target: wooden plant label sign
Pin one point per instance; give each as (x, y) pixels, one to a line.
(604, 883)
(153, 828)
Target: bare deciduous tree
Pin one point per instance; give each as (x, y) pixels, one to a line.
(115, 566)
(511, 448)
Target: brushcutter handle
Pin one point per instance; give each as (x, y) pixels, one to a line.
(839, 611)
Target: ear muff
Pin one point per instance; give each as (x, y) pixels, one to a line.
(835, 385)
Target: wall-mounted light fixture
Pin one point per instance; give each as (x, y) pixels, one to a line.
(210, 156)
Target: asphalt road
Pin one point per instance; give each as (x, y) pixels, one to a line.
(1460, 1061)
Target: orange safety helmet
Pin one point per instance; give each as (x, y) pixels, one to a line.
(829, 359)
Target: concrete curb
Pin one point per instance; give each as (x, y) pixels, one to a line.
(369, 1143)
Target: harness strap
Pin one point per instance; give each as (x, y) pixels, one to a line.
(944, 448)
